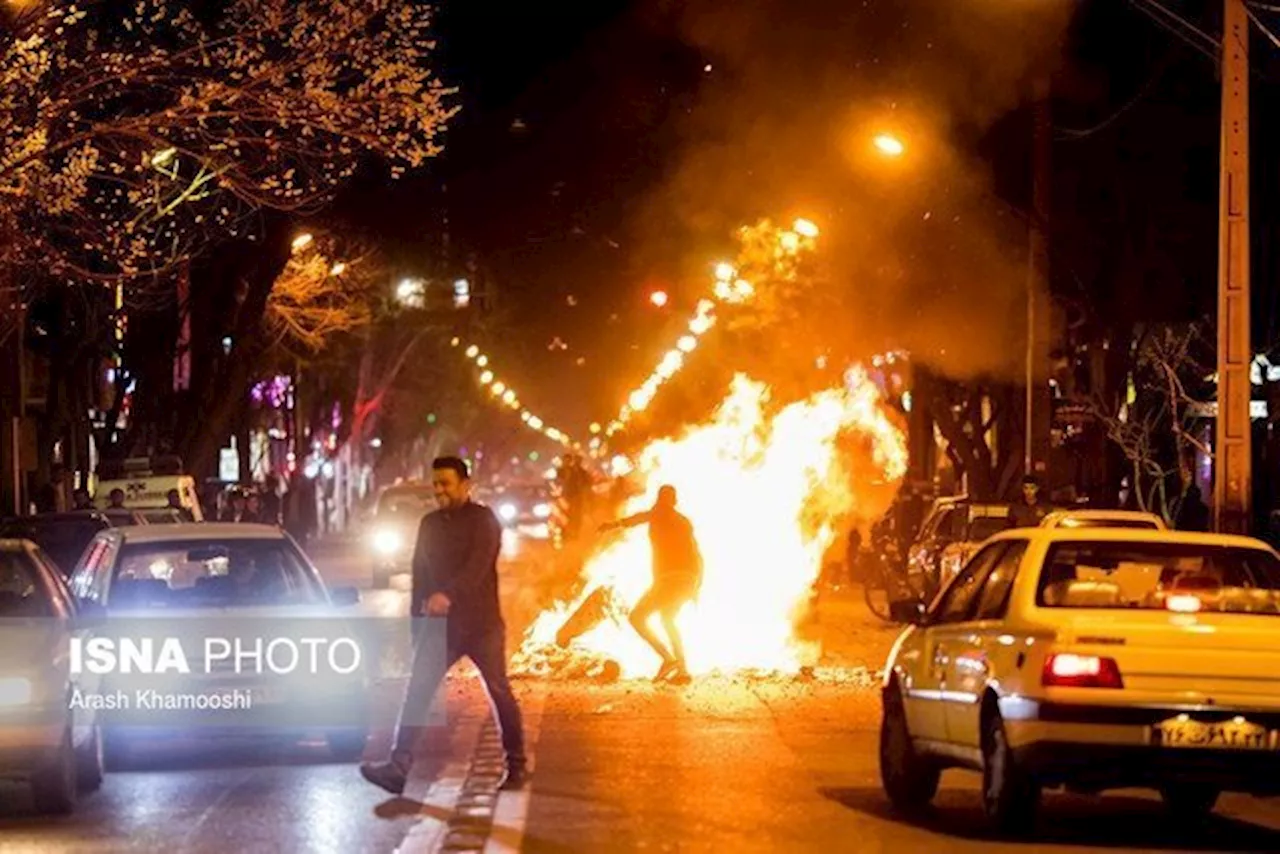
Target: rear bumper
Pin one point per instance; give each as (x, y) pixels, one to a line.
(1113, 766)
(1108, 747)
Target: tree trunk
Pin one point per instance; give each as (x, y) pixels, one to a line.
(221, 387)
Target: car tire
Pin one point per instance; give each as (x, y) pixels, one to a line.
(1189, 802)
(91, 763)
(909, 779)
(53, 789)
(1010, 796)
(347, 743)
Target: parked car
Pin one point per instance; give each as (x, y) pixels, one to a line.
(64, 536)
(1090, 659)
(951, 533)
(45, 740)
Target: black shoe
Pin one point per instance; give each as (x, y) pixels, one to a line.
(517, 777)
(385, 775)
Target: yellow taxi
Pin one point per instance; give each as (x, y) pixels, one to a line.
(1091, 659)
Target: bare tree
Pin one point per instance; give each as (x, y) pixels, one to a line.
(1153, 421)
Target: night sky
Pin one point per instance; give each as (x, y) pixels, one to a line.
(610, 148)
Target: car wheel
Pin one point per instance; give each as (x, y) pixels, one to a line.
(53, 790)
(909, 779)
(1010, 796)
(91, 763)
(347, 744)
(1189, 801)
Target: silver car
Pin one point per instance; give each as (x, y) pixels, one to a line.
(194, 581)
(45, 739)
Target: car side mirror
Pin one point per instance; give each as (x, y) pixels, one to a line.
(344, 597)
(907, 611)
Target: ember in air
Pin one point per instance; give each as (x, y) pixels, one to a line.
(281, 656)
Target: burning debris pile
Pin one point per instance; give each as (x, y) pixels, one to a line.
(767, 493)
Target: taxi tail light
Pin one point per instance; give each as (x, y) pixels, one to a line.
(1070, 670)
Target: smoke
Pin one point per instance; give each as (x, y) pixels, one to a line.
(918, 251)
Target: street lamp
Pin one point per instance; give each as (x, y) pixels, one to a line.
(889, 145)
(658, 298)
(302, 241)
(412, 293)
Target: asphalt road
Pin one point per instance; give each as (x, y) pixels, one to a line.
(721, 765)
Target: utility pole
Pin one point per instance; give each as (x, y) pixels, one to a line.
(1233, 445)
(1035, 451)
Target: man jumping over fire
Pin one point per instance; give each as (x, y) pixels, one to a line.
(677, 578)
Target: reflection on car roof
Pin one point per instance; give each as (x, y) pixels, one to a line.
(197, 531)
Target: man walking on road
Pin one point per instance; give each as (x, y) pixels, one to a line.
(677, 578)
(455, 576)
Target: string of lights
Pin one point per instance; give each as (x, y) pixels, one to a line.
(730, 287)
(506, 396)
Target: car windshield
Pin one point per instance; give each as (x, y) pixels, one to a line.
(22, 592)
(212, 573)
(1160, 576)
(64, 540)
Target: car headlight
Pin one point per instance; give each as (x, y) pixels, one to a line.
(14, 691)
(387, 542)
(542, 511)
(507, 511)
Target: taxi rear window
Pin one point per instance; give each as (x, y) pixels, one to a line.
(1146, 576)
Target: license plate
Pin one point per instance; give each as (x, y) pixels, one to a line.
(1222, 735)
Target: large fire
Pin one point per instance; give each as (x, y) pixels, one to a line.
(768, 494)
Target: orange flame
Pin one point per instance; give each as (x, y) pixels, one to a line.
(765, 496)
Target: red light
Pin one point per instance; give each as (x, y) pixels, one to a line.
(1069, 670)
(658, 298)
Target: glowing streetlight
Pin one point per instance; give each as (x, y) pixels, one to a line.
(338, 269)
(658, 298)
(302, 241)
(889, 145)
(412, 293)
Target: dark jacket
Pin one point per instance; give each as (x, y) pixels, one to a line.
(457, 555)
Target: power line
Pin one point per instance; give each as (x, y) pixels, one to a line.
(1149, 7)
(1189, 25)
(1082, 133)
(1257, 22)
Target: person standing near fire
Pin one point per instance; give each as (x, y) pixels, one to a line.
(677, 579)
(455, 576)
